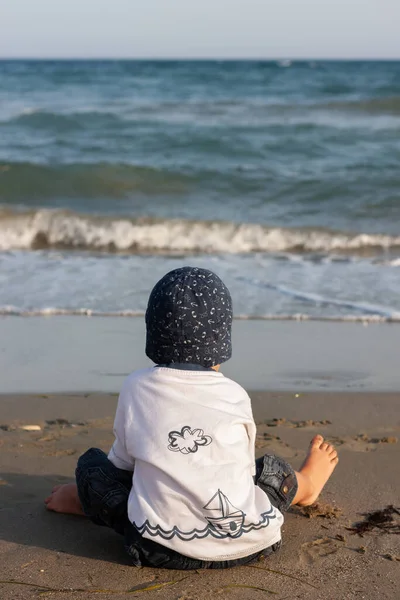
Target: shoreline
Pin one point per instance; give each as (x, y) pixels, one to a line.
(366, 319)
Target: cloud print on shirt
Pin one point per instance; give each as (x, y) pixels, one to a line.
(187, 440)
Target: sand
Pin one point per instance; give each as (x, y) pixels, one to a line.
(323, 558)
(82, 354)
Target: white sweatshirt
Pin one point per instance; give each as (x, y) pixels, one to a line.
(189, 436)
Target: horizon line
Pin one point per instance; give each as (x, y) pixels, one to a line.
(197, 59)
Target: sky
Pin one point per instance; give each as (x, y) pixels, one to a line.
(200, 29)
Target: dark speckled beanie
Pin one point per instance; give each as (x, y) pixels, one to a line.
(189, 319)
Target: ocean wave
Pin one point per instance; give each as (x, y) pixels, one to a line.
(372, 106)
(21, 180)
(245, 111)
(36, 118)
(41, 229)
(12, 311)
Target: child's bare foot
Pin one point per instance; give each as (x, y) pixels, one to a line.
(64, 499)
(318, 466)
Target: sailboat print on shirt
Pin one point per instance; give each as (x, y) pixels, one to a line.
(223, 517)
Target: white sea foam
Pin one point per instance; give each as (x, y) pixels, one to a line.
(59, 229)
(394, 263)
(13, 311)
(50, 311)
(367, 310)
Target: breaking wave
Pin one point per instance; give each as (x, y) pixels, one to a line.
(44, 228)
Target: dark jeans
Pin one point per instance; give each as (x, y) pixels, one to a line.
(104, 489)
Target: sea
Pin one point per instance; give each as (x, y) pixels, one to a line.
(282, 177)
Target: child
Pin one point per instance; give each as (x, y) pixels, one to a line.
(181, 482)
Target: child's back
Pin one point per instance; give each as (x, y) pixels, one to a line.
(189, 435)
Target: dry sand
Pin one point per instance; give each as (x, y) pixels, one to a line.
(323, 558)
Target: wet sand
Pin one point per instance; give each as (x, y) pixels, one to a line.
(78, 354)
(328, 560)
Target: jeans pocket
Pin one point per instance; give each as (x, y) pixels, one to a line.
(288, 489)
(278, 480)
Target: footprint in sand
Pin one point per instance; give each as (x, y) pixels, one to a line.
(282, 422)
(363, 442)
(310, 552)
(266, 440)
(58, 453)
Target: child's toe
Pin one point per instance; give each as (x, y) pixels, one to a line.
(316, 441)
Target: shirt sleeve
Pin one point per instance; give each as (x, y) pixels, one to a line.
(118, 454)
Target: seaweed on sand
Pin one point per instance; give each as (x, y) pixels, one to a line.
(387, 520)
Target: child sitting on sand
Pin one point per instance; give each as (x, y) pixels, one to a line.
(181, 482)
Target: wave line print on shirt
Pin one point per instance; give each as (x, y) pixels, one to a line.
(226, 521)
(187, 440)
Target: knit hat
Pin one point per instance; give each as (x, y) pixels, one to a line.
(189, 319)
